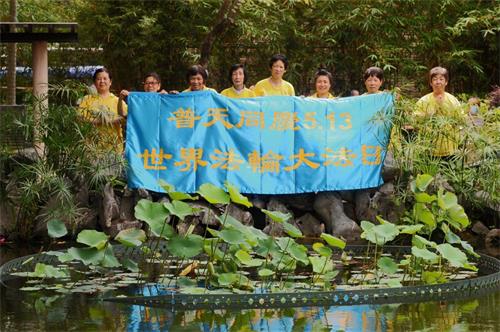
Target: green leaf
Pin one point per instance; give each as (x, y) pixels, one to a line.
(425, 254)
(152, 213)
(92, 238)
(467, 247)
(185, 247)
(245, 258)
(447, 201)
(410, 229)
(228, 279)
(277, 216)
(235, 195)
(89, 256)
(109, 259)
(265, 272)
(379, 234)
(131, 237)
(185, 282)
(321, 264)
(423, 181)
(450, 237)
(421, 242)
(424, 198)
(130, 265)
(266, 246)
(321, 249)
(232, 236)
(387, 265)
(333, 241)
(49, 271)
(175, 195)
(291, 230)
(453, 255)
(424, 215)
(299, 252)
(213, 194)
(56, 228)
(179, 209)
(433, 277)
(457, 217)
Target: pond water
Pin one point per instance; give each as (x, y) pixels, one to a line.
(31, 311)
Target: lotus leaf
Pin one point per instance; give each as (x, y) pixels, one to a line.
(179, 209)
(321, 264)
(277, 216)
(333, 241)
(265, 272)
(447, 201)
(423, 181)
(56, 228)
(425, 254)
(433, 277)
(453, 255)
(235, 195)
(131, 237)
(93, 238)
(213, 194)
(321, 249)
(291, 230)
(185, 247)
(245, 258)
(387, 265)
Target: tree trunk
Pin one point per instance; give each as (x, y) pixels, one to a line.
(227, 12)
(11, 60)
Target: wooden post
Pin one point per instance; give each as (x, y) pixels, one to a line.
(40, 88)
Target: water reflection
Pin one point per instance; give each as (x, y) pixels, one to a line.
(22, 311)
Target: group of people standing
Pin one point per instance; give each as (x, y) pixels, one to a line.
(438, 102)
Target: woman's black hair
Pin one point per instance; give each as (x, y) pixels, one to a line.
(195, 70)
(101, 70)
(374, 71)
(278, 57)
(236, 67)
(154, 75)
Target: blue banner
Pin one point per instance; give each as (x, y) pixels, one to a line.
(266, 145)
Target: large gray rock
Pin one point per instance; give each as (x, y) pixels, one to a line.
(329, 206)
(241, 215)
(303, 202)
(109, 209)
(309, 225)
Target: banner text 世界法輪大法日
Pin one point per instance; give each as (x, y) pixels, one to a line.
(266, 145)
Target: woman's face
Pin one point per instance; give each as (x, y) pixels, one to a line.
(323, 85)
(238, 78)
(278, 69)
(151, 84)
(438, 83)
(196, 82)
(373, 84)
(102, 82)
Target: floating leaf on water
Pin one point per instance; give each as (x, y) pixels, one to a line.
(193, 290)
(31, 288)
(56, 228)
(131, 237)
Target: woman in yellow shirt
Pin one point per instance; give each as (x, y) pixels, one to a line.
(275, 85)
(323, 81)
(197, 77)
(238, 76)
(101, 110)
(440, 104)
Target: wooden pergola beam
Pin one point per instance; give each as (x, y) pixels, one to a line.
(28, 32)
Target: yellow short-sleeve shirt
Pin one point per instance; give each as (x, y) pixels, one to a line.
(233, 93)
(265, 88)
(105, 109)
